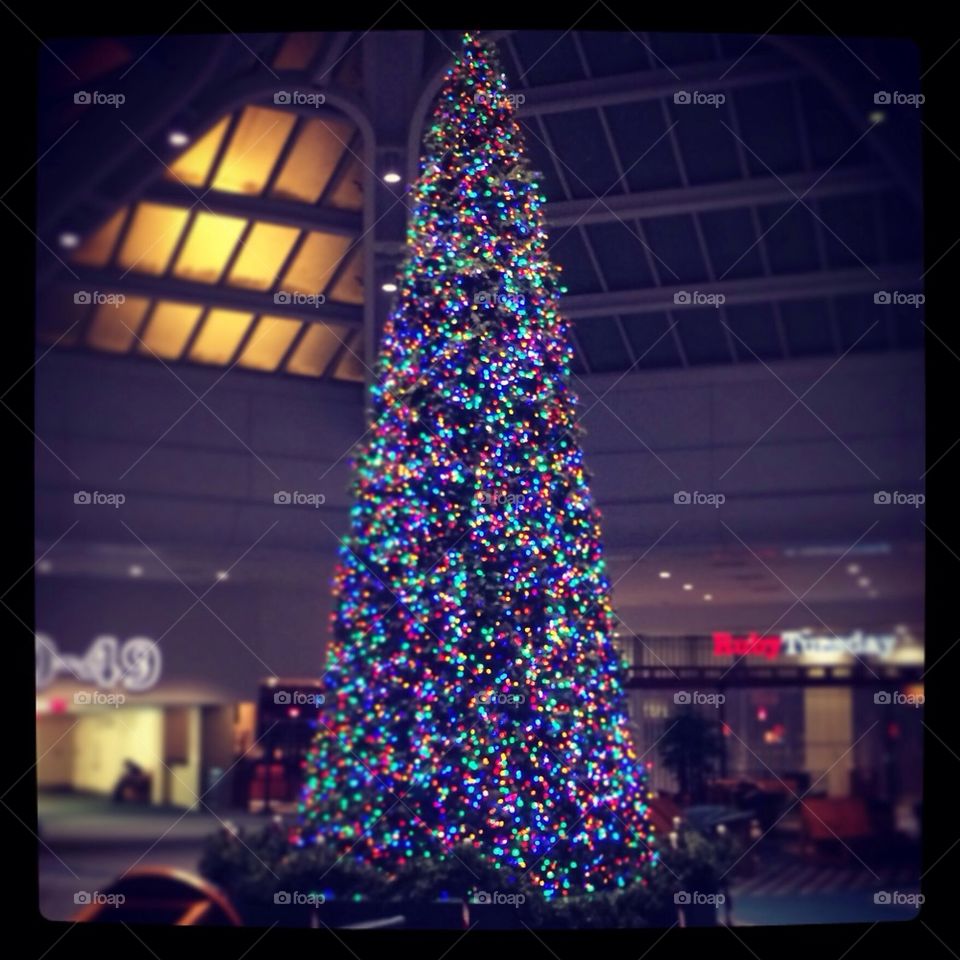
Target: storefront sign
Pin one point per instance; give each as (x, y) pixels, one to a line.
(108, 664)
(804, 643)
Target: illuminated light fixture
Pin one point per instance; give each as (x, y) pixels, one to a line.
(688, 586)
(68, 240)
(876, 116)
(853, 569)
(177, 138)
(135, 570)
(708, 596)
(44, 566)
(391, 176)
(223, 575)
(388, 287)
(664, 574)
(863, 582)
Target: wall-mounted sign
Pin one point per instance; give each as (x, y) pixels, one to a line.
(108, 664)
(806, 644)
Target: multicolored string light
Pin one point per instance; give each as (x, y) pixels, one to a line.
(472, 688)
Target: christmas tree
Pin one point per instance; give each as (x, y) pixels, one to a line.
(473, 692)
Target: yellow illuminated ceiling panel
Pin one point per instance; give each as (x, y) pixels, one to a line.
(193, 165)
(297, 51)
(348, 193)
(97, 248)
(312, 160)
(254, 147)
(349, 285)
(152, 236)
(220, 336)
(262, 256)
(169, 328)
(315, 350)
(314, 263)
(350, 365)
(268, 343)
(211, 241)
(115, 326)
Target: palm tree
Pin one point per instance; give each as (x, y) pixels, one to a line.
(690, 748)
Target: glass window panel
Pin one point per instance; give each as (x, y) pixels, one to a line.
(350, 365)
(268, 343)
(312, 160)
(253, 151)
(211, 241)
(349, 285)
(315, 262)
(262, 256)
(315, 350)
(297, 51)
(220, 336)
(114, 326)
(169, 329)
(193, 165)
(348, 193)
(97, 248)
(152, 236)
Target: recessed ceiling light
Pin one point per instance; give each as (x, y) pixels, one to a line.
(876, 116)
(391, 176)
(44, 566)
(853, 569)
(68, 240)
(177, 138)
(863, 581)
(223, 575)
(688, 586)
(135, 570)
(708, 596)
(664, 574)
(388, 287)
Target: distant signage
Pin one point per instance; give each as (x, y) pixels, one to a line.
(108, 664)
(808, 644)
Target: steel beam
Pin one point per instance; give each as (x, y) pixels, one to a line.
(801, 286)
(728, 195)
(209, 295)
